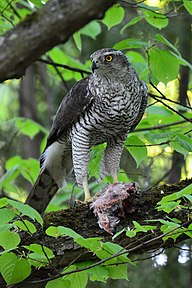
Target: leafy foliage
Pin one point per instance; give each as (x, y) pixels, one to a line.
(14, 269)
(164, 130)
(113, 16)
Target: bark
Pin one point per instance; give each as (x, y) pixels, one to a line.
(82, 220)
(51, 25)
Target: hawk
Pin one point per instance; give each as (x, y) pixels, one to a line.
(101, 108)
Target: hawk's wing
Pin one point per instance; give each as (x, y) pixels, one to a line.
(144, 96)
(73, 104)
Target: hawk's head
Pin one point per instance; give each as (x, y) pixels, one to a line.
(109, 60)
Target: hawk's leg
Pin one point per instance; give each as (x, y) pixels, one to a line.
(111, 158)
(81, 156)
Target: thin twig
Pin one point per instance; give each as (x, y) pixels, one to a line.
(42, 247)
(172, 109)
(64, 66)
(8, 4)
(59, 73)
(170, 100)
(155, 102)
(182, 249)
(149, 257)
(160, 126)
(122, 252)
(151, 83)
(148, 145)
(188, 132)
(15, 11)
(9, 20)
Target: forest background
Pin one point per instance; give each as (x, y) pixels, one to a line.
(156, 37)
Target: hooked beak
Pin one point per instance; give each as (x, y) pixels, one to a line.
(94, 66)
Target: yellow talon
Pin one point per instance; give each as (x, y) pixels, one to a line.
(86, 191)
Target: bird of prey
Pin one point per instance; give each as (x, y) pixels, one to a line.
(101, 108)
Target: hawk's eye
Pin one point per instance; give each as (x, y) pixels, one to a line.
(109, 58)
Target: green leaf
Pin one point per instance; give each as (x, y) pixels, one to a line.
(181, 60)
(9, 240)
(188, 6)
(130, 43)
(77, 39)
(92, 30)
(139, 63)
(54, 231)
(122, 176)
(9, 176)
(98, 273)
(6, 215)
(29, 168)
(25, 225)
(27, 127)
(38, 260)
(61, 230)
(138, 227)
(5, 227)
(25, 209)
(3, 202)
(118, 271)
(182, 144)
(162, 39)
(172, 228)
(37, 3)
(113, 248)
(14, 270)
(143, 228)
(169, 206)
(113, 16)
(189, 233)
(130, 23)
(58, 283)
(156, 20)
(131, 233)
(94, 163)
(160, 137)
(40, 249)
(182, 193)
(77, 279)
(164, 66)
(189, 197)
(118, 233)
(137, 149)
(59, 56)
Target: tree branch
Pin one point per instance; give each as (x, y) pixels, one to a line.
(67, 67)
(51, 25)
(81, 219)
(159, 127)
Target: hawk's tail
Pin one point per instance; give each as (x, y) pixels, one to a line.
(42, 192)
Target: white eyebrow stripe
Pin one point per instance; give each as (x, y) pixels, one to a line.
(114, 53)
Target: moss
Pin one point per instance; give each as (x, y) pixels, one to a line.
(80, 217)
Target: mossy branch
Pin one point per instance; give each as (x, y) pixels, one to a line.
(82, 220)
(49, 26)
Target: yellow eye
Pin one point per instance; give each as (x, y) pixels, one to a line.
(109, 58)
